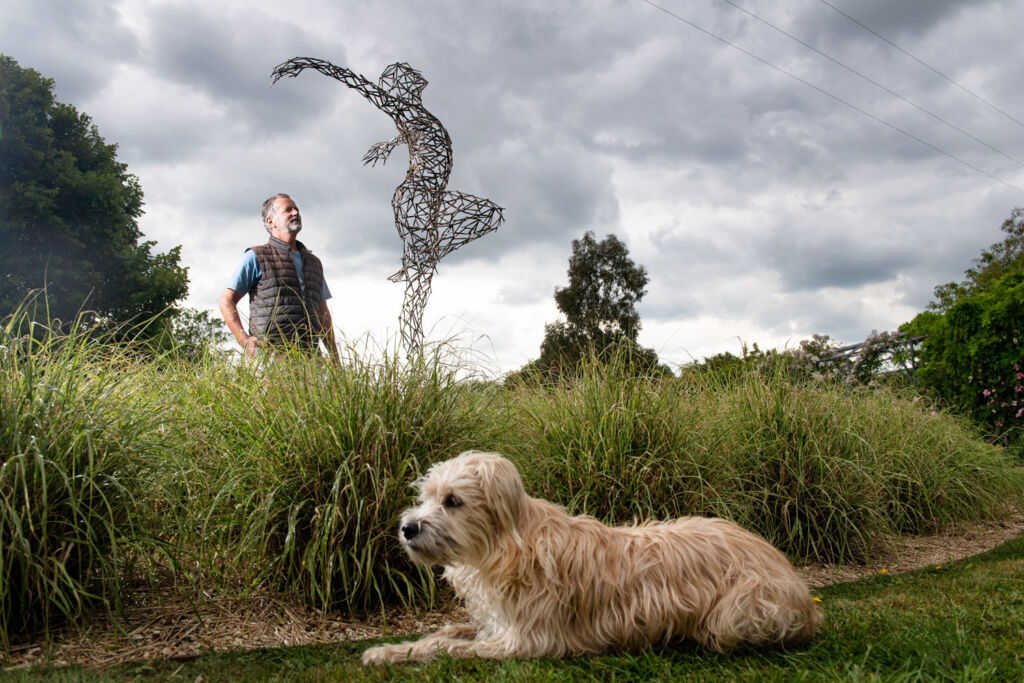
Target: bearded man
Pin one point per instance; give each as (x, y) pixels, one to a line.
(285, 283)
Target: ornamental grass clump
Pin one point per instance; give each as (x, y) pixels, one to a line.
(316, 463)
(801, 476)
(74, 428)
(829, 472)
(608, 441)
(822, 470)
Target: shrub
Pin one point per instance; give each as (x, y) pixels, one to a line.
(310, 465)
(973, 356)
(823, 470)
(73, 430)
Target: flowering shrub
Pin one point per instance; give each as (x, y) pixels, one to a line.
(973, 356)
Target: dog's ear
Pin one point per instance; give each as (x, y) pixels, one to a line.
(503, 491)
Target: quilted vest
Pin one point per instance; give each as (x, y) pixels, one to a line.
(279, 311)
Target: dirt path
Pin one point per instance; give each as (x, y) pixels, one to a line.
(914, 552)
(170, 628)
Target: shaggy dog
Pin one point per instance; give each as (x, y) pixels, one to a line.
(538, 582)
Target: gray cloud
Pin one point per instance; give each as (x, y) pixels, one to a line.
(895, 20)
(205, 49)
(753, 200)
(810, 262)
(76, 44)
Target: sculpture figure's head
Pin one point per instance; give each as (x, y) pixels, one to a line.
(402, 81)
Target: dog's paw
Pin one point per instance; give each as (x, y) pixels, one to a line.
(375, 655)
(387, 654)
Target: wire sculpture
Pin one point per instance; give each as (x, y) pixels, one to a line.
(431, 220)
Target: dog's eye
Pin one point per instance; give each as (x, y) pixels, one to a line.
(450, 501)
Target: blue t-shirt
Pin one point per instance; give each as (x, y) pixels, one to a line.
(249, 274)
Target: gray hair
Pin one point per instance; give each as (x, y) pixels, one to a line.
(268, 207)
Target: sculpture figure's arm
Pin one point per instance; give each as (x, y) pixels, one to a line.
(381, 151)
(293, 67)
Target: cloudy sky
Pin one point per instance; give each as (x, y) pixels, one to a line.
(779, 169)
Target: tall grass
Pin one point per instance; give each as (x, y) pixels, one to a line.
(826, 471)
(292, 475)
(823, 471)
(305, 466)
(73, 432)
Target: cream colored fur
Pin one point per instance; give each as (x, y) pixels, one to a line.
(538, 582)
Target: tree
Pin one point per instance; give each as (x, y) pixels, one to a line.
(599, 305)
(973, 355)
(68, 212)
(193, 333)
(998, 260)
(973, 352)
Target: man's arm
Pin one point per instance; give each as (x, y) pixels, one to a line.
(328, 327)
(229, 310)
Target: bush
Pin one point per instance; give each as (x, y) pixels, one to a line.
(308, 466)
(292, 477)
(74, 430)
(824, 471)
(973, 356)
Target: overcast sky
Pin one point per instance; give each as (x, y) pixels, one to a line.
(771, 192)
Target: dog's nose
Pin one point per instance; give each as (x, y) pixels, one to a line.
(410, 529)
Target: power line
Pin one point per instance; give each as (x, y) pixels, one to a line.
(834, 97)
(875, 83)
(923, 63)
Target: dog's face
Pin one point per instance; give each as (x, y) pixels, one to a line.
(465, 505)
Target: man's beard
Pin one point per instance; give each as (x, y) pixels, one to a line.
(294, 225)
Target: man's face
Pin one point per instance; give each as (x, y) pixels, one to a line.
(284, 220)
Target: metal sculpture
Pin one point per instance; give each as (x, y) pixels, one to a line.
(431, 220)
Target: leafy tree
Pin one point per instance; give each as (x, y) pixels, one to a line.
(998, 260)
(68, 212)
(973, 353)
(192, 333)
(599, 305)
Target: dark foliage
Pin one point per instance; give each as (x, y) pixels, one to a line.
(599, 305)
(973, 355)
(68, 209)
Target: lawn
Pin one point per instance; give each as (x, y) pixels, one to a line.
(961, 622)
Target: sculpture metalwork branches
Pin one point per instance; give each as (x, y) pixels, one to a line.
(431, 220)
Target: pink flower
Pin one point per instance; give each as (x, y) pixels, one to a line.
(986, 392)
(1020, 413)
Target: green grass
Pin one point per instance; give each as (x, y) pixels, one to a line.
(75, 437)
(962, 622)
(312, 463)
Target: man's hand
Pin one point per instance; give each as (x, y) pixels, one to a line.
(251, 346)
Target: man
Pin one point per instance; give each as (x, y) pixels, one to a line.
(286, 288)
